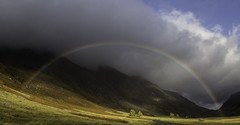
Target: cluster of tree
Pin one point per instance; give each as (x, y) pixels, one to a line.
(172, 115)
(133, 113)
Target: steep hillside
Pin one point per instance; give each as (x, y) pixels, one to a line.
(67, 85)
(111, 88)
(232, 106)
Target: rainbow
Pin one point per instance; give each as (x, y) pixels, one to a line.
(136, 45)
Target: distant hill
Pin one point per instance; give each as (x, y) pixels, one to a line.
(232, 106)
(104, 86)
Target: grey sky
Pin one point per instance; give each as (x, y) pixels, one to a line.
(60, 26)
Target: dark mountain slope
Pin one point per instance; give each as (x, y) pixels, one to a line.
(111, 88)
(104, 86)
(232, 106)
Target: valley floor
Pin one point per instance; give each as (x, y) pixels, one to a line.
(17, 108)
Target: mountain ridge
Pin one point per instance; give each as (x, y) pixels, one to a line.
(105, 86)
(232, 106)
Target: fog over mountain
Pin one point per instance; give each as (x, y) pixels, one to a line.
(60, 26)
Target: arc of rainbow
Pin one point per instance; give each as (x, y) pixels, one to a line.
(137, 45)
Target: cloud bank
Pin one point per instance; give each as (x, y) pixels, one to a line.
(60, 26)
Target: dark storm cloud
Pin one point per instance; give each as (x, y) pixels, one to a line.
(70, 22)
(61, 25)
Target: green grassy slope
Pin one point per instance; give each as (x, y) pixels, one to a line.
(16, 108)
(45, 103)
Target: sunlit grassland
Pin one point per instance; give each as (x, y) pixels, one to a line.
(16, 109)
(64, 107)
